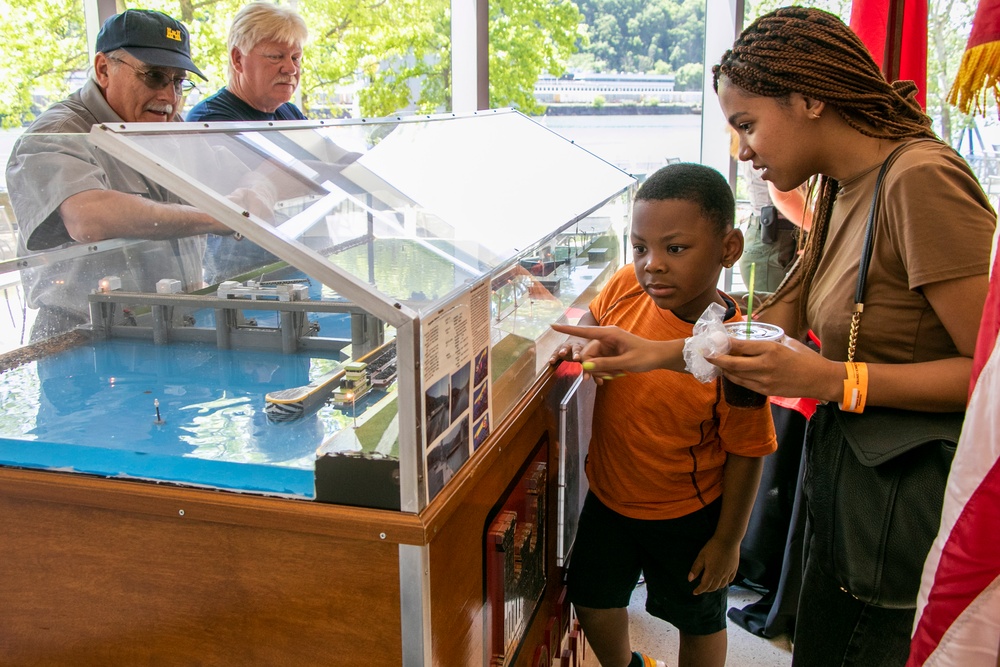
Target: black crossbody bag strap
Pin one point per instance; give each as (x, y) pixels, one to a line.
(866, 251)
(866, 255)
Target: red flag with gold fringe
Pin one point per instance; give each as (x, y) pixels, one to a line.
(979, 72)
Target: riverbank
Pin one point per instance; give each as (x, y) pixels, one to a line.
(621, 109)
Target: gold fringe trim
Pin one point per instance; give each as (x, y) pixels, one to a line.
(978, 74)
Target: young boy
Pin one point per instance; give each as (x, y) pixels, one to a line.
(673, 470)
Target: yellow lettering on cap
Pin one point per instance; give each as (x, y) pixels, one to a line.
(174, 34)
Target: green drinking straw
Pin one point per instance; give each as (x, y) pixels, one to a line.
(750, 297)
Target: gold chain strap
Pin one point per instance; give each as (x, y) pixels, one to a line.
(852, 340)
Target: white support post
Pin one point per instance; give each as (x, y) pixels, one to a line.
(723, 24)
(470, 55)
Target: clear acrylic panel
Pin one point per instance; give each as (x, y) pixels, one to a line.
(392, 203)
(384, 230)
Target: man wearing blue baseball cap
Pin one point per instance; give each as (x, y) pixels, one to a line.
(152, 37)
(63, 190)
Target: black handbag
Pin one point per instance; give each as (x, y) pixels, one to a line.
(876, 481)
(876, 486)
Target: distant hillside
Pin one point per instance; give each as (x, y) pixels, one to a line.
(620, 109)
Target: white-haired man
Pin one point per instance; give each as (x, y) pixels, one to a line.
(265, 62)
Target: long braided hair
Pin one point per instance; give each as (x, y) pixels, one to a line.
(813, 53)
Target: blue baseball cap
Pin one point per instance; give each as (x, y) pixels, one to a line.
(152, 37)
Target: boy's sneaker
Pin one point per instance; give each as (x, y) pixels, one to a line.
(643, 660)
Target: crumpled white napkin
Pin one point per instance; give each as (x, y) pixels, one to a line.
(709, 339)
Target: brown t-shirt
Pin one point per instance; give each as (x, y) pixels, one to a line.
(934, 224)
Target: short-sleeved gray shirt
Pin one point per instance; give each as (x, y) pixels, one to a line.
(52, 161)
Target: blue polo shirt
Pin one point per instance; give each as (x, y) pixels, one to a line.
(225, 105)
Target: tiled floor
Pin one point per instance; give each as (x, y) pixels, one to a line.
(659, 640)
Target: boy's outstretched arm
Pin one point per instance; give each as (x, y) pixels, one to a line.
(613, 350)
(719, 559)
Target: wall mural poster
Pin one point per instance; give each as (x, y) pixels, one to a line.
(456, 384)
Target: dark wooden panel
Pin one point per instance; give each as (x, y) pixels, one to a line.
(456, 530)
(85, 585)
(168, 501)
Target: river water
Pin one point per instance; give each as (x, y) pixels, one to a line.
(636, 144)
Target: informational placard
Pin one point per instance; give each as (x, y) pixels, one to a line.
(457, 399)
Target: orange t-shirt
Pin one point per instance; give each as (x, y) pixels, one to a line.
(660, 438)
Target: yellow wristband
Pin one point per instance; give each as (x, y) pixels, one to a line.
(855, 387)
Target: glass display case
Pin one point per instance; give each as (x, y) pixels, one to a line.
(382, 305)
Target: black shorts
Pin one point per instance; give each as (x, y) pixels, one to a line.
(611, 551)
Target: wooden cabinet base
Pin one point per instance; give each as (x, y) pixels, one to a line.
(97, 571)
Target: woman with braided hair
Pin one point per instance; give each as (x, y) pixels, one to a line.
(806, 99)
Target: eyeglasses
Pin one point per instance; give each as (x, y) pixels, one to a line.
(157, 80)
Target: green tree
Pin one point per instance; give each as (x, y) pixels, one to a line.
(633, 35)
(687, 36)
(344, 38)
(605, 37)
(690, 77)
(528, 38)
(398, 49)
(841, 8)
(44, 43)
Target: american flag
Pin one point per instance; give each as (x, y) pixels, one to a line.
(958, 609)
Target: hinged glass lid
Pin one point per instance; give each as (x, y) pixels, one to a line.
(382, 204)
